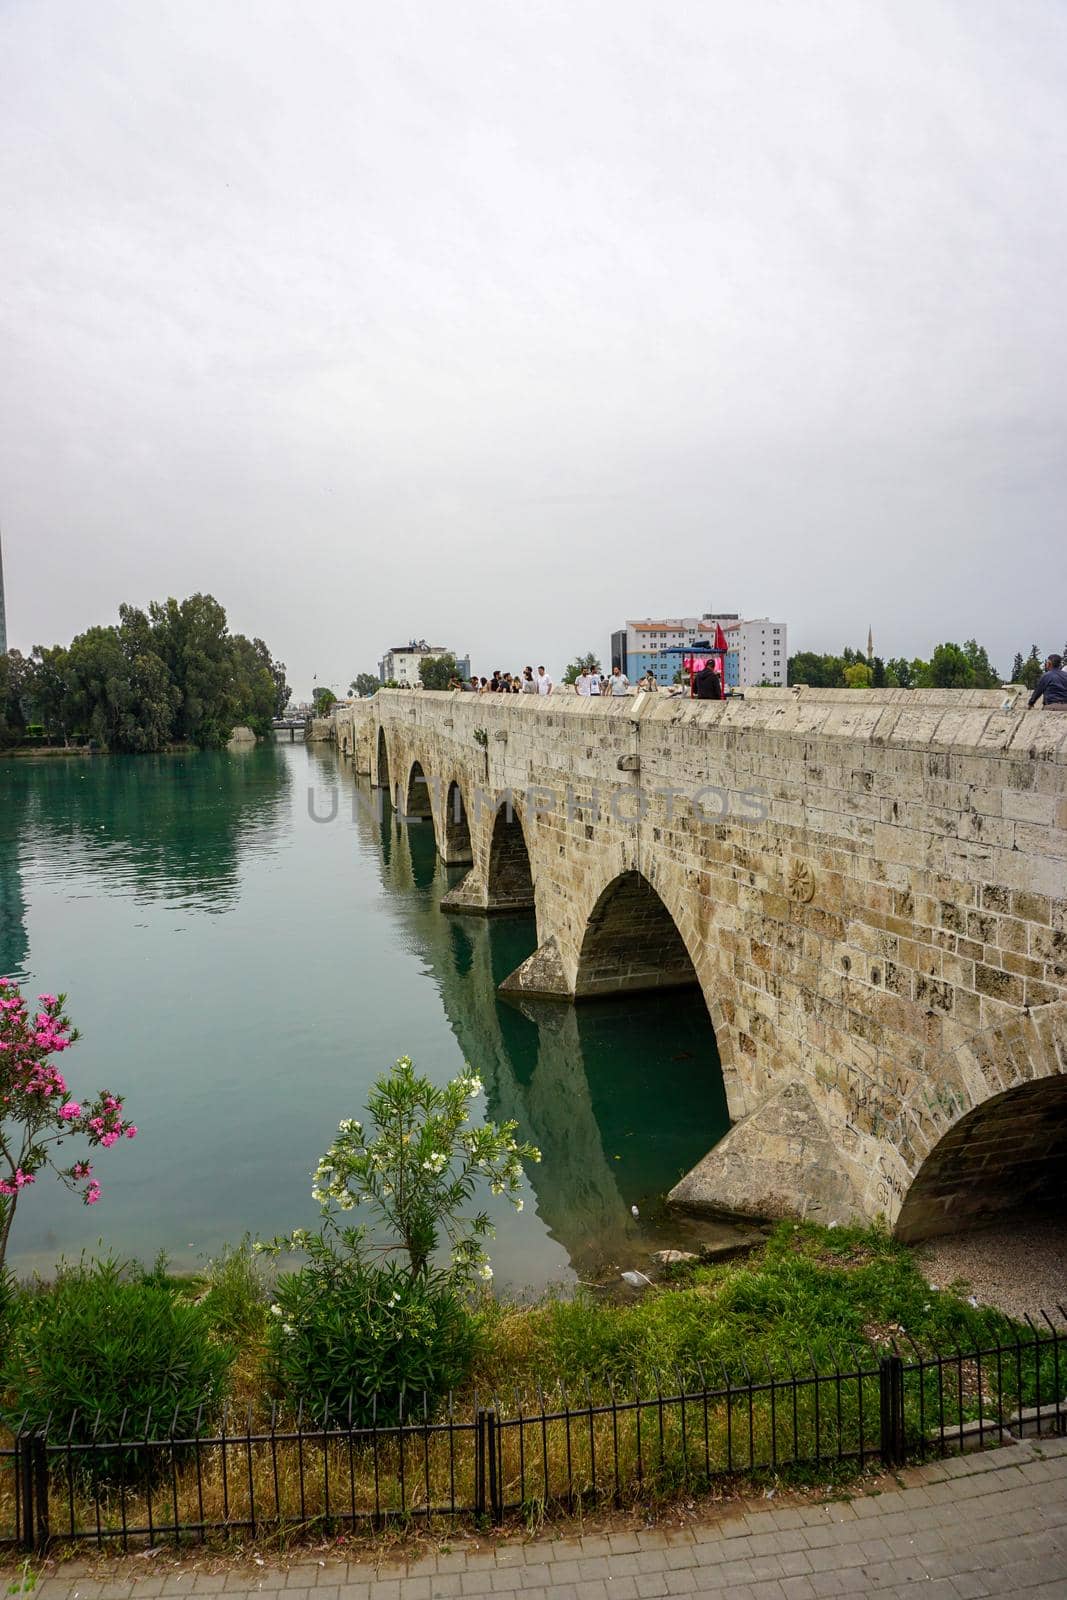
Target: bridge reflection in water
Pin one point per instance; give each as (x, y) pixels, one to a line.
(622, 1096)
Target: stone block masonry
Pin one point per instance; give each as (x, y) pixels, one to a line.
(870, 890)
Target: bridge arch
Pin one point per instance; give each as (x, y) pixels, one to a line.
(382, 763)
(455, 833)
(1006, 1150)
(631, 942)
(509, 875)
(417, 794)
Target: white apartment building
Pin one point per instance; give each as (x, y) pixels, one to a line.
(758, 647)
(401, 663)
(637, 645)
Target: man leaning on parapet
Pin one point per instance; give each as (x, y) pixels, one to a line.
(1051, 687)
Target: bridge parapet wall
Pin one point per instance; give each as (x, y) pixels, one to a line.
(865, 886)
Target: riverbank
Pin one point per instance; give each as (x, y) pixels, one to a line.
(766, 1373)
(1018, 1266)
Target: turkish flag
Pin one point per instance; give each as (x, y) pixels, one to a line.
(720, 639)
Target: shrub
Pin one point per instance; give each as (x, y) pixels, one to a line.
(113, 1353)
(236, 1301)
(376, 1337)
(349, 1338)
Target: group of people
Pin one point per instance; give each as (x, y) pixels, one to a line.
(526, 682)
(590, 682)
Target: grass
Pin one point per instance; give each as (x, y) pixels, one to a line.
(811, 1301)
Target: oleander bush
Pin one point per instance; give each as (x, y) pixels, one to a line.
(112, 1352)
(368, 1341)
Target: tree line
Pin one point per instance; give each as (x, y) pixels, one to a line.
(173, 674)
(951, 666)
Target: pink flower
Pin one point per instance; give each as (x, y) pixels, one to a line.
(131, 1131)
(92, 1193)
(71, 1110)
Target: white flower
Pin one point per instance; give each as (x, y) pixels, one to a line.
(345, 1201)
(287, 1328)
(497, 1188)
(300, 1237)
(518, 1205)
(485, 1272)
(394, 1300)
(275, 1311)
(474, 1087)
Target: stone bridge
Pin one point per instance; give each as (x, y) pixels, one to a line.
(869, 888)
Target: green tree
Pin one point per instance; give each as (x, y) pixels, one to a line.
(255, 685)
(878, 678)
(436, 671)
(365, 684)
(193, 639)
(983, 674)
(16, 693)
(121, 695)
(282, 691)
(1031, 668)
(949, 668)
(858, 675)
(1017, 668)
(322, 699)
(817, 671)
(587, 663)
(51, 690)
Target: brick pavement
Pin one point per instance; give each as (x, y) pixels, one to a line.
(990, 1524)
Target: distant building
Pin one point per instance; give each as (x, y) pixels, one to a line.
(3, 614)
(757, 653)
(756, 648)
(401, 663)
(641, 645)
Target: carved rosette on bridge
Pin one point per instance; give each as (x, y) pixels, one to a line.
(800, 881)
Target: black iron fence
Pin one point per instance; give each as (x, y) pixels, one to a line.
(498, 1457)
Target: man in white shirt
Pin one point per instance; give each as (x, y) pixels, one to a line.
(544, 682)
(582, 684)
(620, 683)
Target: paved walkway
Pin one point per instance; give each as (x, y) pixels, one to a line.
(990, 1524)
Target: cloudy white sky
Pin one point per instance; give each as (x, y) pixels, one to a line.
(500, 322)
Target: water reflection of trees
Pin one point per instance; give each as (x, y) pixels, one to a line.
(622, 1095)
(14, 945)
(168, 827)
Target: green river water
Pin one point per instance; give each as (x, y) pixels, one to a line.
(245, 945)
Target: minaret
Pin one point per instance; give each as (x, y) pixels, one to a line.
(870, 644)
(3, 617)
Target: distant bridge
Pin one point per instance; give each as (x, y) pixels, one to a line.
(292, 726)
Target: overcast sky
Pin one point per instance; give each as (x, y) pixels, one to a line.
(501, 322)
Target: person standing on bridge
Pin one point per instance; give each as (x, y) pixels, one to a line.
(1051, 687)
(544, 682)
(707, 684)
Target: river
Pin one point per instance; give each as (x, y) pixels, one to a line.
(246, 941)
